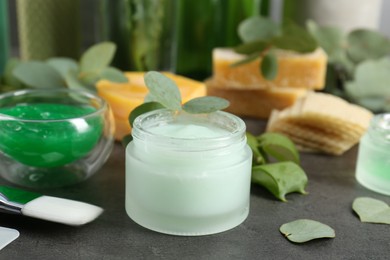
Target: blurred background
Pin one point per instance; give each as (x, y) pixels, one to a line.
(174, 35)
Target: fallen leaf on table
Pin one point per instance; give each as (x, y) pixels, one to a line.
(303, 230)
(371, 210)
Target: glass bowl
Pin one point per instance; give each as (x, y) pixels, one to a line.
(53, 137)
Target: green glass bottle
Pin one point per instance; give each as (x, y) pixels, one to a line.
(4, 35)
(204, 25)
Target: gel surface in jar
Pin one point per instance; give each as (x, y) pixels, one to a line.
(373, 164)
(188, 174)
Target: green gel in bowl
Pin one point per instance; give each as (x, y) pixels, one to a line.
(48, 135)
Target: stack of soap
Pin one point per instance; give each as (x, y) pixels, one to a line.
(321, 122)
(250, 94)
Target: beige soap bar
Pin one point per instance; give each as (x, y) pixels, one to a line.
(321, 122)
(295, 70)
(256, 103)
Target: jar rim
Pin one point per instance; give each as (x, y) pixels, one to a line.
(234, 125)
(101, 104)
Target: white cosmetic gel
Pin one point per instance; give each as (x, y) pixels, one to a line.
(188, 174)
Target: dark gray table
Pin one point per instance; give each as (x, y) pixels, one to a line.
(332, 188)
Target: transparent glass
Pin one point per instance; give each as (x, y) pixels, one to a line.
(373, 164)
(188, 174)
(53, 137)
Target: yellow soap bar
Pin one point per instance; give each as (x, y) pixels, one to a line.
(255, 103)
(124, 97)
(295, 70)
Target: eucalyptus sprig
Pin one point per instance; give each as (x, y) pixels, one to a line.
(164, 93)
(358, 64)
(261, 36)
(276, 164)
(60, 72)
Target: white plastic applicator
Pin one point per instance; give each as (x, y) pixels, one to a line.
(69, 212)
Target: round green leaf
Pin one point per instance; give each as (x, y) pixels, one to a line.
(63, 65)
(253, 143)
(257, 28)
(280, 178)
(269, 66)
(370, 85)
(73, 81)
(207, 104)
(303, 230)
(331, 39)
(251, 47)
(366, 44)
(126, 140)
(38, 74)
(97, 57)
(113, 74)
(295, 38)
(371, 210)
(163, 89)
(143, 108)
(279, 147)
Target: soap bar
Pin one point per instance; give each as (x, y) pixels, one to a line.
(124, 97)
(321, 122)
(255, 103)
(295, 70)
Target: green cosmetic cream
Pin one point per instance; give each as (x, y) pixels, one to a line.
(48, 135)
(373, 164)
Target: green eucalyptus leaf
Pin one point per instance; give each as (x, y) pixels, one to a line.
(367, 44)
(371, 210)
(73, 82)
(269, 66)
(370, 86)
(142, 109)
(113, 74)
(295, 38)
(89, 78)
(97, 57)
(257, 28)
(251, 47)
(126, 140)
(280, 178)
(279, 147)
(331, 39)
(207, 104)
(164, 90)
(63, 65)
(38, 74)
(253, 143)
(303, 230)
(247, 59)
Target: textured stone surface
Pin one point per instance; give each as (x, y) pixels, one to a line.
(332, 188)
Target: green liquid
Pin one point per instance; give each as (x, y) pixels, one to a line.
(50, 142)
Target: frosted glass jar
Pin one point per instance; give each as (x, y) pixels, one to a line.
(188, 174)
(373, 164)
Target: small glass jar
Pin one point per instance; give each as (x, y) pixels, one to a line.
(373, 164)
(188, 174)
(53, 137)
